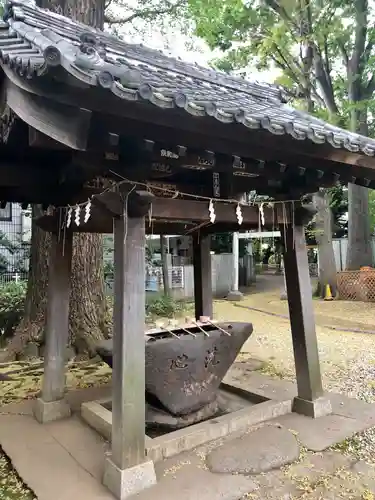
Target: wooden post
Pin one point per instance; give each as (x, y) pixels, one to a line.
(126, 470)
(164, 265)
(52, 405)
(202, 275)
(310, 400)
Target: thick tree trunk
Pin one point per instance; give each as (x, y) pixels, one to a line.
(90, 12)
(359, 231)
(323, 236)
(87, 304)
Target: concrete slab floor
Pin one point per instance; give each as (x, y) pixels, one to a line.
(64, 460)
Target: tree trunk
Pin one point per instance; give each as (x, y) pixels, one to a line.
(87, 323)
(87, 304)
(164, 264)
(359, 231)
(323, 236)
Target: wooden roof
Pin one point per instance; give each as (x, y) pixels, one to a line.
(78, 103)
(34, 41)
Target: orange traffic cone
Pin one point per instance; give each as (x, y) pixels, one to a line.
(328, 293)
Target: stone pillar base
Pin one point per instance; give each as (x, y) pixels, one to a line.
(49, 411)
(235, 296)
(314, 409)
(128, 482)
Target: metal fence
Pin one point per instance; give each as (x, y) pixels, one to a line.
(8, 277)
(175, 273)
(15, 235)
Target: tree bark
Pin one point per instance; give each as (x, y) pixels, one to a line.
(87, 321)
(87, 303)
(359, 231)
(323, 236)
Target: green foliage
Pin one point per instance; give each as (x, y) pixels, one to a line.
(372, 210)
(12, 298)
(163, 306)
(221, 243)
(109, 271)
(323, 51)
(324, 54)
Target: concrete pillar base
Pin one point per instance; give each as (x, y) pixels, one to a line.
(45, 412)
(125, 483)
(283, 295)
(314, 409)
(235, 296)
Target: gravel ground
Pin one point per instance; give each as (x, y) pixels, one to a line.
(347, 361)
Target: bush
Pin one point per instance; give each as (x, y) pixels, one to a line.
(12, 298)
(163, 306)
(157, 305)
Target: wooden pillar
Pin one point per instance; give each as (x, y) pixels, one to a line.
(52, 405)
(126, 469)
(310, 400)
(202, 275)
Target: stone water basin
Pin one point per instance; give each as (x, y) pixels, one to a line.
(185, 365)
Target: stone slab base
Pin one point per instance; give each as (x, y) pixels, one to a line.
(128, 482)
(45, 412)
(235, 296)
(314, 409)
(181, 440)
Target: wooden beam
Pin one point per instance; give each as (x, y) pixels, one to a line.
(68, 125)
(23, 174)
(104, 225)
(171, 216)
(197, 211)
(237, 140)
(202, 275)
(39, 140)
(141, 119)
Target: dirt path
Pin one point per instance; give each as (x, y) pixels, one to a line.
(265, 294)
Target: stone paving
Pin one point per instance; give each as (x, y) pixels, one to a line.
(275, 460)
(327, 475)
(288, 458)
(271, 447)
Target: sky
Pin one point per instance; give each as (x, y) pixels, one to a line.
(173, 42)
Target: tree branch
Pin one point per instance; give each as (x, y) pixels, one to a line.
(325, 83)
(343, 51)
(370, 87)
(361, 8)
(146, 13)
(285, 65)
(282, 13)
